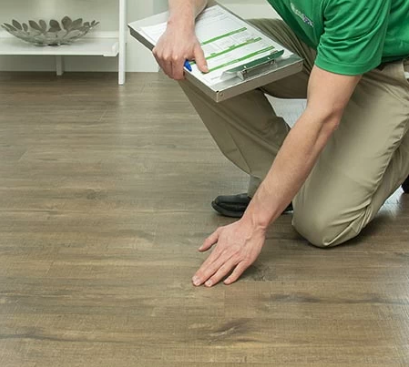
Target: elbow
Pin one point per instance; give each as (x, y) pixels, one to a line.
(327, 119)
(329, 125)
(332, 120)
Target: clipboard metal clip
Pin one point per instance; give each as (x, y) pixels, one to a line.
(254, 68)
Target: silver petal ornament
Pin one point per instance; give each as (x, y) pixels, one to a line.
(57, 33)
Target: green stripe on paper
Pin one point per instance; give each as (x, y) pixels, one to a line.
(224, 36)
(249, 56)
(235, 47)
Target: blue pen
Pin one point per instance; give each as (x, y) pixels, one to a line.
(187, 65)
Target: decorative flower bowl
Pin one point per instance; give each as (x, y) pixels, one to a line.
(55, 34)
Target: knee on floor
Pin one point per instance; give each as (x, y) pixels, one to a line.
(322, 229)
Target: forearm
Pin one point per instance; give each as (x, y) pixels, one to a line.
(291, 167)
(184, 12)
(328, 95)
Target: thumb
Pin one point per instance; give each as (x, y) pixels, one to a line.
(210, 241)
(200, 59)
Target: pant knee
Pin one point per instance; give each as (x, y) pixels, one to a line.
(322, 229)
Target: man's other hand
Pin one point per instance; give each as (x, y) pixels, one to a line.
(175, 47)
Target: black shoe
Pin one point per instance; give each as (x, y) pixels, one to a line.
(234, 206)
(405, 186)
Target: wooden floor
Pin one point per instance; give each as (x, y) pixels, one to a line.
(104, 200)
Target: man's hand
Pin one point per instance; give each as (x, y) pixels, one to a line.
(175, 47)
(238, 246)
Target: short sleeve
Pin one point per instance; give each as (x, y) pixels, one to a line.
(354, 35)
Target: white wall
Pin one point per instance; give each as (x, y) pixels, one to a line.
(106, 11)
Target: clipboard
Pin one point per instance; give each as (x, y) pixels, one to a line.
(243, 78)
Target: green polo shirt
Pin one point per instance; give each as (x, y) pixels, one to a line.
(351, 37)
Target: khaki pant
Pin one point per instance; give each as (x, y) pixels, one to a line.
(365, 161)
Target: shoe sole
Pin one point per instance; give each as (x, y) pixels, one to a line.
(226, 212)
(238, 214)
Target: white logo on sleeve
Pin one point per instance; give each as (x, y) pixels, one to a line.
(300, 14)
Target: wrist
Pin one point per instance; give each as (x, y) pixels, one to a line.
(260, 211)
(184, 20)
(174, 22)
(254, 221)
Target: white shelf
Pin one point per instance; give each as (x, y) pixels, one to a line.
(108, 47)
(114, 45)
